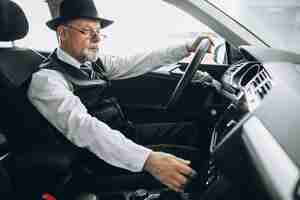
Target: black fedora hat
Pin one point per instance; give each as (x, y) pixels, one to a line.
(74, 9)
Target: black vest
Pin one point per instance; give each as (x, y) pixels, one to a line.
(33, 131)
(94, 94)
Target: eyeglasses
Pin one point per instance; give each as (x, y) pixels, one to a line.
(90, 33)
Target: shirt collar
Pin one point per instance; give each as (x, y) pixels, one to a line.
(64, 56)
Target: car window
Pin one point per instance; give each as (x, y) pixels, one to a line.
(139, 25)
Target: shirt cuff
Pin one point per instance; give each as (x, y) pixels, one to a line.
(140, 159)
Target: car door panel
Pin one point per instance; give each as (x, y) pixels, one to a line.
(144, 98)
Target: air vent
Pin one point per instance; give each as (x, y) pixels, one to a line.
(257, 88)
(262, 83)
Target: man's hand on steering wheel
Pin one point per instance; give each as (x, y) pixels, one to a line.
(202, 45)
(192, 46)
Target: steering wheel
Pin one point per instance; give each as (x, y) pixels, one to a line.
(189, 72)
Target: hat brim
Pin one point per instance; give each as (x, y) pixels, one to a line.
(54, 23)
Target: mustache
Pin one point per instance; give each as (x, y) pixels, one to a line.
(94, 48)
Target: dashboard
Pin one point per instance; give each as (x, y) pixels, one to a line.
(256, 139)
(247, 84)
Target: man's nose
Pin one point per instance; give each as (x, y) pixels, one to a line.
(96, 37)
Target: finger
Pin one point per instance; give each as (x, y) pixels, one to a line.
(211, 41)
(172, 187)
(178, 158)
(180, 180)
(176, 181)
(184, 169)
(188, 162)
(177, 187)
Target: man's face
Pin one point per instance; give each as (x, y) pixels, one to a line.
(81, 38)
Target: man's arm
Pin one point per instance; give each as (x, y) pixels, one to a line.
(50, 93)
(141, 63)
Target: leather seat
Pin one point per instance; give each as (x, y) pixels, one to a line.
(46, 170)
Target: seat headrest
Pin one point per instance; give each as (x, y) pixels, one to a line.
(13, 22)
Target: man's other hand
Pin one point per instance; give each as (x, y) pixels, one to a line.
(170, 170)
(192, 46)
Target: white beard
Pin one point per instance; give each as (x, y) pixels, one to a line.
(89, 55)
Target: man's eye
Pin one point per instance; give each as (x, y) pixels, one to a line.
(86, 31)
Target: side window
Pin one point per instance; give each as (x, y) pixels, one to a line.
(147, 25)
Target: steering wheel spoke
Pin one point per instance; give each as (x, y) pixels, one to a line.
(189, 73)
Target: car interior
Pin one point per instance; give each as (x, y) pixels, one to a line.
(249, 131)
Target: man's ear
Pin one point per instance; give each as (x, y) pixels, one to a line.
(61, 33)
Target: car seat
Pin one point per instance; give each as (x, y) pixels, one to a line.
(16, 66)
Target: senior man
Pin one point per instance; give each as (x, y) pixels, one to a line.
(70, 88)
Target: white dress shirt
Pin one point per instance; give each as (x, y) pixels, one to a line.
(52, 94)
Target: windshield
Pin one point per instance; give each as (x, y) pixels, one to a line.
(277, 22)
